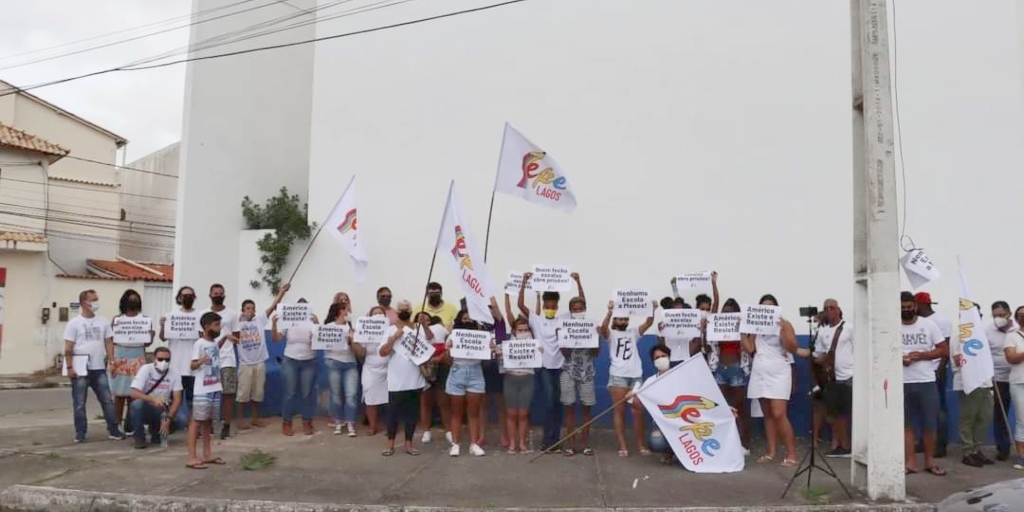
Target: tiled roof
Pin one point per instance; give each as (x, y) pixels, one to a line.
(86, 182)
(20, 236)
(117, 269)
(15, 138)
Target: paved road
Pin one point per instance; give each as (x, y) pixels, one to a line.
(23, 408)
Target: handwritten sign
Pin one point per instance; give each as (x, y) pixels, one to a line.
(760, 320)
(682, 323)
(550, 278)
(692, 281)
(181, 326)
(519, 354)
(469, 344)
(291, 314)
(371, 329)
(633, 303)
(132, 331)
(515, 282)
(918, 268)
(577, 334)
(724, 327)
(330, 337)
(414, 348)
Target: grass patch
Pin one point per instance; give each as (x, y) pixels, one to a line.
(816, 495)
(256, 460)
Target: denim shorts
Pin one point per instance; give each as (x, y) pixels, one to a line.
(921, 405)
(731, 376)
(623, 382)
(465, 378)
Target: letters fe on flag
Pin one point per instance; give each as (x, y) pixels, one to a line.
(458, 246)
(695, 419)
(972, 354)
(343, 226)
(527, 171)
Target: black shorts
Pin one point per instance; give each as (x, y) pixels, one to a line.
(921, 405)
(493, 381)
(838, 398)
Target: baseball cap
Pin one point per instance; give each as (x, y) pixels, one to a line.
(923, 298)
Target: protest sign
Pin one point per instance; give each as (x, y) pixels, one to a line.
(633, 303)
(692, 281)
(515, 282)
(577, 334)
(370, 329)
(682, 323)
(470, 344)
(758, 319)
(918, 268)
(520, 354)
(551, 278)
(181, 326)
(414, 348)
(724, 327)
(132, 331)
(330, 337)
(291, 314)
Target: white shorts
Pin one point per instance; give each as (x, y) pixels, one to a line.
(772, 379)
(375, 385)
(252, 379)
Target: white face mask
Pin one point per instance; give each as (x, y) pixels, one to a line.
(662, 364)
(522, 335)
(94, 306)
(582, 315)
(378, 315)
(162, 366)
(1001, 321)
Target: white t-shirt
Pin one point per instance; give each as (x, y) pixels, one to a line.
(299, 341)
(90, 338)
(252, 340)
(946, 328)
(207, 375)
(181, 350)
(680, 348)
(844, 350)
(228, 325)
(1015, 339)
(547, 332)
(148, 377)
(997, 342)
(344, 354)
(921, 336)
(402, 374)
(624, 357)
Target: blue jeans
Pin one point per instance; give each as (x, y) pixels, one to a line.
(299, 378)
(142, 413)
(552, 421)
(97, 380)
(1002, 433)
(344, 381)
(657, 442)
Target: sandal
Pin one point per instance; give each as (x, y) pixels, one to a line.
(645, 452)
(789, 463)
(588, 451)
(569, 452)
(512, 451)
(388, 452)
(623, 453)
(766, 458)
(909, 471)
(217, 461)
(197, 465)
(937, 471)
(412, 451)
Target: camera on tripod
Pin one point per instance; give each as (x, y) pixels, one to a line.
(809, 312)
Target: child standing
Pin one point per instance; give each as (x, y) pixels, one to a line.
(207, 395)
(577, 384)
(253, 355)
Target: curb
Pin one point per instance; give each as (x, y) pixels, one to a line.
(10, 386)
(29, 498)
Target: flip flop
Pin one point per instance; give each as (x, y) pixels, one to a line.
(766, 458)
(909, 471)
(511, 451)
(198, 465)
(789, 463)
(217, 461)
(937, 471)
(412, 451)
(569, 452)
(588, 451)
(623, 453)
(388, 452)
(645, 452)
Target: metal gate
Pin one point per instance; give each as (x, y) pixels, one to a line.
(157, 301)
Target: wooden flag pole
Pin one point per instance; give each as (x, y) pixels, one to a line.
(494, 191)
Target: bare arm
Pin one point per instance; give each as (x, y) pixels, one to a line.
(747, 341)
(1012, 356)
(388, 347)
(275, 335)
(649, 321)
(69, 356)
(109, 343)
(579, 286)
(714, 292)
(277, 300)
(163, 336)
(788, 337)
(522, 295)
(603, 328)
(508, 310)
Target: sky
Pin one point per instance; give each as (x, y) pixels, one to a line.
(143, 106)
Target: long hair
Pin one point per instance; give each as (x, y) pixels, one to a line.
(123, 303)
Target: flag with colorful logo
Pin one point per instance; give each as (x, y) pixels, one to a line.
(972, 356)
(693, 416)
(458, 246)
(527, 171)
(344, 227)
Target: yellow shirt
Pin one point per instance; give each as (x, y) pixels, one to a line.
(446, 312)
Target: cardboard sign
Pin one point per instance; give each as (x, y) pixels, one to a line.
(918, 268)
(470, 344)
(632, 303)
(371, 329)
(520, 354)
(682, 323)
(550, 278)
(291, 314)
(693, 281)
(330, 337)
(724, 327)
(180, 326)
(759, 319)
(578, 334)
(515, 282)
(133, 331)
(414, 348)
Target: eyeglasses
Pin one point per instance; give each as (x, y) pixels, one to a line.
(163, 359)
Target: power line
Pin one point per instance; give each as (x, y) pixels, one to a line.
(84, 223)
(72, 187)
(33, 197)
(51, 211)
(81, 236)
(15, 89)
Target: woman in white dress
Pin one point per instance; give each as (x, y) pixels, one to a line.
(771, 382)
(374, 377)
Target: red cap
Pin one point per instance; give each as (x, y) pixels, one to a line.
(924, 298)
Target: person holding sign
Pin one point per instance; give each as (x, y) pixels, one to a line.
(253, 355)
(405, 382)
(343, 371)
(625, 374)
(577, 385)
(375, 375)
(298, 371)
(771, 382)
(466, 385)
(205, 365)
(731, 366)
(518, 391)
(435, 371)
(132, 334)
(180, 329)
(88, 346)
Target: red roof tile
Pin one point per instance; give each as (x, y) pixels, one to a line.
(20, 236)
(123, 270)
(16, 138)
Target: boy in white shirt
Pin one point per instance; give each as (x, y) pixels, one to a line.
(206, 396)
(253, 355)
(228, 367)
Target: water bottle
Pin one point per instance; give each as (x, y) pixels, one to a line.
(163, 437)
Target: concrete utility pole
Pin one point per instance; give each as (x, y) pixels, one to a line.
(878, 455)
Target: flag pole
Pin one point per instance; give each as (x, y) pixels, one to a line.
(494, 191)
(319, 229)
(433, 259)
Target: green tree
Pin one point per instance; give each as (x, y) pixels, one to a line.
(286, 215)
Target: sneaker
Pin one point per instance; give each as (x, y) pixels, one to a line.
(476, 451)
(79, 439)
(140, 443)
(972, 460)
(448, 437)
(116, 435)
(128, 429)
(225, 431)
(1018, 463)
(453, 451)
(351, 427)
(838, 453)
(427, 437)
(984, 460)
(337, 429)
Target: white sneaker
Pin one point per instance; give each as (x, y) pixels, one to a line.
(454, 451)
(351, 428)
(476, 451)
(448, 437)
(746, 452)
(337, 429)
(427, 437)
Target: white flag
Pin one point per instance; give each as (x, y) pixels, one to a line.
(343, 226)
(695, 419)
(527, 171)
(972, 355)
(919, 269)
(458, 246)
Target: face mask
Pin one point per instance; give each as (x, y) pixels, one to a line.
(384, 301)
(522, 335)
(434, 300)
(188, 302)
(404, 315)
(94, 306)
(580, 315)
(133, 305)
(217, 301)
(162, 366)
(908, 315)
(619, 327)
(214, 334)
(662, 364)
(1001, 321)
(550, 313)
(378, 315)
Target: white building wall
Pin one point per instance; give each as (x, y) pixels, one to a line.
(245, 133)
(22, 191)
(149, 201)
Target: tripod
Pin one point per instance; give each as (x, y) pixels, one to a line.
(809, 461)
